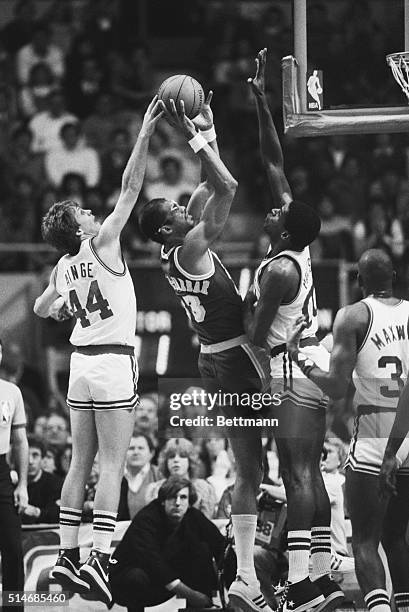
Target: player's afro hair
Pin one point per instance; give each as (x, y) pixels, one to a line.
(302, 223)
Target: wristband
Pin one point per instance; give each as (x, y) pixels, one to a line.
(197, 143)
(209, 135)
(304, 363)
(171, 586)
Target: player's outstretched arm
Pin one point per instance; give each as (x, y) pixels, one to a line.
(132, 179)
(270, 147)
(347, 325)
(217, 207)
(205, 124)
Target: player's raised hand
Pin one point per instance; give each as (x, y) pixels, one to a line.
(387, 476)
(258, 81)
(177, 118)
(294, 334)
(152, 115)
(204, 120)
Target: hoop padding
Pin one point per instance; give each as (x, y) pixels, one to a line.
(300, 123)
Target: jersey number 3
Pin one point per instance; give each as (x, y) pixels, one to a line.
(396, 376)
(95, 303)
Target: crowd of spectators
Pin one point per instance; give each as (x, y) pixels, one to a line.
(206, 463)
(74, 84)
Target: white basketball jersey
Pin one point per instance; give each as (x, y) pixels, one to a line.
(102, 300)
(383, 359)
(304, 303)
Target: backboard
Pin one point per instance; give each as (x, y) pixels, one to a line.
(337, 81)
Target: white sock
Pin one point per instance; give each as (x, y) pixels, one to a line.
(377, 601)
(320, 552)
(244, 531)
(298, 554)
(103, 527)
(402, 601)
(70, 519)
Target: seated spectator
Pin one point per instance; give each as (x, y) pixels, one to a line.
(114, 160)
(44, 489)
(170, 182)
(333, 459)
(40, 427)
(179, 456)
(20, 156)
(57, 430)
(18, 32)
(46, 126)
(377, 231)
(168, 550)
(64, 460)
(39, 50)
(72, 157)
(100, 124)
(134, 82)
(348, 188)
(33, 96)
(73, 188)
(139, 473)
(146, 416)
(49, 462)
(335, 238)
(20, 213)
(83, 92)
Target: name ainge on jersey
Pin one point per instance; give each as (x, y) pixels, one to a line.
(80, 270)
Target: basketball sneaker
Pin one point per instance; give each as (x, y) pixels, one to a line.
(333, 594)
(300, 596)
(95, 572)
(247, 596)
(67, 571)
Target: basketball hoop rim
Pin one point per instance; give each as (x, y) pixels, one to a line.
(398, 55)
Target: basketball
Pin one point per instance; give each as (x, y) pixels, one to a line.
(183, 87)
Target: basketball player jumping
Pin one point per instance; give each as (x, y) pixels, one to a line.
(283, 289)
(93, 279)
(227, 361)
(371, 345)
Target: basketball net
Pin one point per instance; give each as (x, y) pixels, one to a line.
(399, 64)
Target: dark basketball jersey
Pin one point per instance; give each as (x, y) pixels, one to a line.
(211, 300)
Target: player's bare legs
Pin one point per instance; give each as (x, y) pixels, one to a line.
(394, 541)
(249, 471)
(320, 529)
(299, 438)
(114, 432)
(84, 448)
(367, 522)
